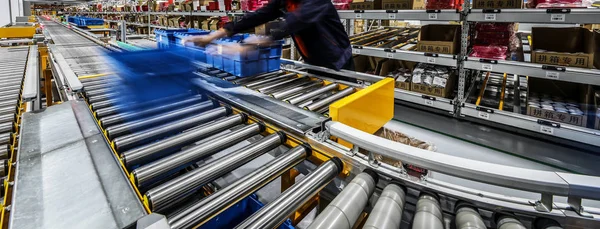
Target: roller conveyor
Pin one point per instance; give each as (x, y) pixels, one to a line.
(173, 173)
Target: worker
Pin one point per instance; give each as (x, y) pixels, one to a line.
(314, 25)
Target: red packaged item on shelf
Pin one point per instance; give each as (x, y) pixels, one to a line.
(489, 52)
(444, 4)
(559, 4)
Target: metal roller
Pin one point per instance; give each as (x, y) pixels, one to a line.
(93, 93)
(266, 81)
(468, 218)
(253, 78)
(11, 81)
(209, 207)
(139, 114)
(103, 97)
(143, 175)
(5, 138)
(151, 151)
(4, 152)
(387, 212)
(99, 87)
(428, 213)
(344, 210)
(323, 110)
(137, 125)
(3, 168)
(10, 92)
(173, 191)
(129, 141)
(102, 78)
(10, 86)
(103, 104)
(297, 90)
(7, 118)
(283, 84)
(133, 105)
(274, 213)
(6, 127)
(508, 222)
(312, 94)
(326, 101)
(14, 97)
(6, 103)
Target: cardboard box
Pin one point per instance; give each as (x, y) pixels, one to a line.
(573, 46)
(396, 4)
(205, 24)
(365, 5)
(390, 66)
(418, 5)
(445, 92)
(443, 39)
(497, 4)
(578, 92)
(265, 29)
(214, 24)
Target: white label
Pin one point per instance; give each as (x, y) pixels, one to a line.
(547, 130)
(486, 67)
(358, 15)
(557, 17)
(390, 55)
(552, 75)
(356, 51)
(392, 16)
(431, 60)
(428, 102)
(432, 17)
(484, 115)
(490, 17)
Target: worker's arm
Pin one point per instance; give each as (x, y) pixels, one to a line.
(250, 20)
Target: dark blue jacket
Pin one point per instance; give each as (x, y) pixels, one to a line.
(314, 25)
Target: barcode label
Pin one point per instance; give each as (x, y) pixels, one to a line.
(390, 55)
(553, 75)
(358, 15)
(356, 51)
(489, 17)
(547, 130)
(428, 102)
(433, 17)
(484, 115)
(486, 67)
(392, 16)
(431, 60)
(557, 17)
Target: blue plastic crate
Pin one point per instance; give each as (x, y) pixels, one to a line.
(228, 65)
(263, 66)
(190, 32)
(237, 213)
(276, 49)
(245, 68)
(274, 64)
(165, 37)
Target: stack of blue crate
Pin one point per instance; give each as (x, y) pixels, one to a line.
(85, 21)
(255, 61)
(198, 53)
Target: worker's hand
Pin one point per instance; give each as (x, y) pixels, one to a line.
(258, 40)
(204, 39)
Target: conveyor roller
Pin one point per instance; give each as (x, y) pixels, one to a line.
(312, 94)
(387, 212)
(146, 174)
(137, 125)
(209, 207)
(171, 191)
(151, 151)
(129, 141)
(348, 205)
(274, 213)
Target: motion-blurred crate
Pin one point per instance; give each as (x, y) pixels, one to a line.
(165, 37)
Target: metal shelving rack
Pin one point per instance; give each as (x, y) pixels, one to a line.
(518, 122)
